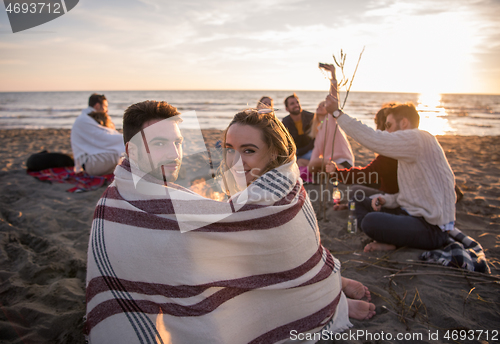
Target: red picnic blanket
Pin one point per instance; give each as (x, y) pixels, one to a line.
(82, 180)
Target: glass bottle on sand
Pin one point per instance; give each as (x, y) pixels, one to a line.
(352, 221)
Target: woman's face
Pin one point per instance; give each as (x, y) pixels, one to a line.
(265, 103)
(321, 110)
(245, 142)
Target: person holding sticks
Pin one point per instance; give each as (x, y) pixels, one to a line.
(379, 176)
(423, 210)
(330, 143)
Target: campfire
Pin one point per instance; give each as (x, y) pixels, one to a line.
(205, 189)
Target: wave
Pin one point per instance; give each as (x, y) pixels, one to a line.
(466, 115)
(28, 116)
(231, 111)
(484, 117)
(38, 110)
(205, 103)
(479, 125)
(470, 108)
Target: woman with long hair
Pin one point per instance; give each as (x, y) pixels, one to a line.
(260, 154)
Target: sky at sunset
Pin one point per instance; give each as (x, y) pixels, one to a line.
(435, 46)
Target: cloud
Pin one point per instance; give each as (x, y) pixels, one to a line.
(153, 42)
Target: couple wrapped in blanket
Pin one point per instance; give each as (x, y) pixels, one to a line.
(166, 265)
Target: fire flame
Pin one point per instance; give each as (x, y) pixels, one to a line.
(202, 188)
(163, 334)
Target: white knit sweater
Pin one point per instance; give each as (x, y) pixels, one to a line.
(426, 181)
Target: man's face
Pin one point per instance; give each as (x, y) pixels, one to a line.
(293, 106)
(159, 151)
(391, 125)
(102, 107)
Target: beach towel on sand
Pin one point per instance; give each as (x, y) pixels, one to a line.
(82, 181)
(252, 276)
(461, 252)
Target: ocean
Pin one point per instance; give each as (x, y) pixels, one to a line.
(450, 114)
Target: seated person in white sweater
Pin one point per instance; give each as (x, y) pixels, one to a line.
(96, 148)
(424, 209)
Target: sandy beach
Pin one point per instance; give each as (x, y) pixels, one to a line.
(45, 231)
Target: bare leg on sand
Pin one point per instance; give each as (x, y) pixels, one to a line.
(354, 289)
(302, 162)
(360, 310)
(379, 246)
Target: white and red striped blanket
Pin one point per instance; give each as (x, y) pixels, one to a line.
(253, 276)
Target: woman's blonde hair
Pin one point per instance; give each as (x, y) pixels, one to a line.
(313, 131)
(274, 134)
(261, 105)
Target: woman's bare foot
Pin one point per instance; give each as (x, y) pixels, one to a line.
(340, 207)
(379, 246)
(354, 289)
(360, 310)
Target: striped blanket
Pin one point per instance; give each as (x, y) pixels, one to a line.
(253, 276)
(462, 252)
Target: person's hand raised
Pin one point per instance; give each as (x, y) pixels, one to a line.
(332, 103)
(331, 69)
(332, 100)
(331, 167)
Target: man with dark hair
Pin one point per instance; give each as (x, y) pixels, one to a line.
(96, 148)
(158, 150)
(136, 202)
(166, 265)
(298, 123)
(384, 171)
(423, 210)
(400, 113)
(98, 102)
